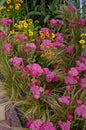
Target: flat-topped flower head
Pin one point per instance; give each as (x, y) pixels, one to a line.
(5, 21)
(81, 111)
(64, 125)
(64, 99)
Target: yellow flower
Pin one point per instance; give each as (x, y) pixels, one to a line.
(17, 6)
(40, 32)
(47, 34)
(53, 35)
(42, 36)
(16, 25)
(82, 41)
(30, 21)
(82, 35)
(10, 6)
(25, 25)
(22, 21)
(12, 32)
(8, 1)
(30, 32)
(20, 26)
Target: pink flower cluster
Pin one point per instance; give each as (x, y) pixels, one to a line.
(16, 61)
(69, 49)
(80, 22)
(5, 21)
(70, 80)
(71, 8)
(64, 99)
(35, 69)
(55, 22)
(46, 43)
(2, 33)
(49, 75)
(45, 30)
(81, 111)
(83, 82)
(7, 47)
(58, 42)
(81, 65)
(36, 91)
(21, 37)
(64, 125)
(73, 72)
(30, 45)
(59, 39)
(40, 125)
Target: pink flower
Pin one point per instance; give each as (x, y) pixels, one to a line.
(45, 30)
(69, 49)
(2, 34)
(29, 122)
(46, 43)
(38, 40)
(68, 88)
(36, 91)
(37, 52)
(72, 24)
(73, 72)
(26, 50)
(64, 125)
(7, 47)
(45, 70)
(58, 40)
(79, 102)
(77, 78)
(64, 99)
(72, 8)
(47, 126)
(47, 91)
(81, 22)
(16, 61)
(5, 21)
(69, 117)
(35, 69)
(61, 22)
(83, 82)
(36, 125)
(53, 22)
(56, 79)
(50, 76)
(64, 69)
(70, 80)
(38, 82)
(21, 37)
(31, 45)
(81, 111)
(80, 65)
